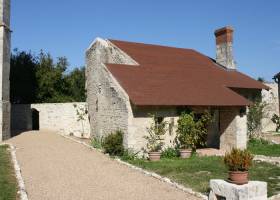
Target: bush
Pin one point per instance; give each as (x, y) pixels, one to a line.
(191, 132)
(238, 160)
(113, 144)
(170, 153)
(255, 114)
(276, 120)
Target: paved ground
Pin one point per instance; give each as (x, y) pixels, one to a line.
(55, 168)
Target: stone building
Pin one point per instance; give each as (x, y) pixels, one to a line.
(126, 81)
(5, 43)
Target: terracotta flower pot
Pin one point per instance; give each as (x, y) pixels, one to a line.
(154, 156)
(185, 153)
(238, 177)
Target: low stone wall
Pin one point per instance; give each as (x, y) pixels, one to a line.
(60, 117)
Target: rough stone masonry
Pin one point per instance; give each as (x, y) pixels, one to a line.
(5, 45)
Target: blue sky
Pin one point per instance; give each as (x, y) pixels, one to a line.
(67, 27)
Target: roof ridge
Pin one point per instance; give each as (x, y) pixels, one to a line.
(149, 44)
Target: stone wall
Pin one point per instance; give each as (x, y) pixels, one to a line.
(59, 117)
(233, 128)
(108, 103)
(21, 117)
(233, 131)
(271, 97)
(140, 120)
(5, 45)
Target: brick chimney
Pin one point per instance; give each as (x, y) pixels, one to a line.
(224, 52)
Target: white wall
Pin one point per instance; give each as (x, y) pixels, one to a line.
(59, 117)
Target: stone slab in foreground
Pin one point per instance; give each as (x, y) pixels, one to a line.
(254, 190)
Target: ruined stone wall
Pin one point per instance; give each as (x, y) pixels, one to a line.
(58, 117)
(271, 98)
(108, 103)
(233, 129)
(5, 43)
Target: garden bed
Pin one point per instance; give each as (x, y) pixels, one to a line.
(196, 172)
(8, 182)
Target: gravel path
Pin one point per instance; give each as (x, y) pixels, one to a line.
(55, 168)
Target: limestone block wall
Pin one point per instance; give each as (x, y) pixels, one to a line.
(58, 117)
(140, 120)
(271, 97)
(233, 128)
(108, 103)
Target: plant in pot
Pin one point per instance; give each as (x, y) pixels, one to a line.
(238, 162)
(191, 132)
(154, 138)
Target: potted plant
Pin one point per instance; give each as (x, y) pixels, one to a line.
(154, 138)
(238, 162)
(191, 132)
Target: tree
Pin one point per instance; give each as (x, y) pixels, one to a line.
(76, 84)
(41, 79)
(52, 86)
(23, 82)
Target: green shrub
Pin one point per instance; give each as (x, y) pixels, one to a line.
(96, 143)
(255, 114)
(113, 144)
(238, 160)
(192, 131)
(170, 153)
(276, 120)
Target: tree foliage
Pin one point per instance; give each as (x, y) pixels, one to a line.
(41, 79)
(255, 114)
(192, 131)
(276, 120)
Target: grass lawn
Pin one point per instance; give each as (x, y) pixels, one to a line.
(197, 171)
(262, 147)
(8, 183)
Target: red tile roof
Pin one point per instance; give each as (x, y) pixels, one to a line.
(168, 76)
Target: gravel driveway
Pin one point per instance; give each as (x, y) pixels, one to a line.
(55, 168)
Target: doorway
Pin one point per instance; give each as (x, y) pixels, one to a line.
(35, 119)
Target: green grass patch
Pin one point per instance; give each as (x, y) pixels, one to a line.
(262, 147)
(196, 172)
(8, 183)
